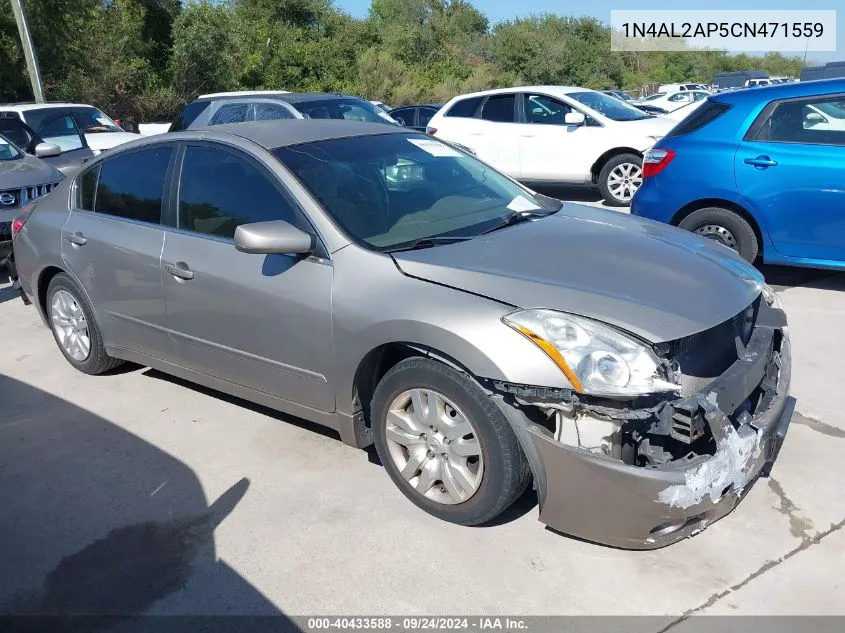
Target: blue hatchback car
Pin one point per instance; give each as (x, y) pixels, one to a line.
(759, 170)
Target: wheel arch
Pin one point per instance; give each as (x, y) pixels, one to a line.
(744, 213)
(43, 283)
(601, 161)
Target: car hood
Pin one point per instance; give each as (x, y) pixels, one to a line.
(651, 279)
(107, 140)
(27, 171)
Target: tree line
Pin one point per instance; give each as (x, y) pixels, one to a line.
(146, 58)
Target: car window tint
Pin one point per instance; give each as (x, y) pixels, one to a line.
(681, 96)
(271, 112)
(188, 115)
(61, 131)
(230, 113)
(499, 108)
(465, 107)
(13, 129)
(86, 185)
(404, 115)
(545, 110)
(219, 191)
(805, 121)
(131, 185)
(426, 115)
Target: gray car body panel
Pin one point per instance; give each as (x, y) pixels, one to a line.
(638, 276)
(292, 332)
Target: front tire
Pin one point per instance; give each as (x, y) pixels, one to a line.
(445, 444)
(76, 332)
(620, 178)
(726, 227)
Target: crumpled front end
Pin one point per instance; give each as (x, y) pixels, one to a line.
(647, 473)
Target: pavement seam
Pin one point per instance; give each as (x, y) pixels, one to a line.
(806, 543)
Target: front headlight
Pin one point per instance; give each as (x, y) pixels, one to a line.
(596, 358)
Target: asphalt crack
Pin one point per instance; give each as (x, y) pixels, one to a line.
(806, 543)
(818, 426)
(798, 525)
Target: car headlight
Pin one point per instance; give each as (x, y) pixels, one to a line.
(596, 358)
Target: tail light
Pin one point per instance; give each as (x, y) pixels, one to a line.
(431, 131)
(20, 220)
(655, 161)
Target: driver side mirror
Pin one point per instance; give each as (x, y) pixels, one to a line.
(45, 150)
(273, 237)
(574, 118)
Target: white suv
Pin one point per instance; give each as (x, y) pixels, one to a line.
(555, 134)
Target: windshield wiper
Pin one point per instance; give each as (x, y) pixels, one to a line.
(428, 242)
(517, 217)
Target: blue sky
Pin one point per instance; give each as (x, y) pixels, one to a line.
(497, 10)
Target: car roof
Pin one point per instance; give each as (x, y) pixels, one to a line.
(282, 133)
(790, 90)
(547, 88)
(289, 97)
(244, 93)
(23, 107)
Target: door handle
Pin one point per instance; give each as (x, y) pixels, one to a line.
(180, 270)
(761, 162)
(77, 239)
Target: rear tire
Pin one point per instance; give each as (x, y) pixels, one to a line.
(620, 178)
(76, 332)
(466, 491)
(726, 227)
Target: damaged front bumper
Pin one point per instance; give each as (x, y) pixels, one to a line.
(604, 499)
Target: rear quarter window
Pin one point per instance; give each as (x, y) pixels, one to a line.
(188, 115)
(703, 115)
(465, 107)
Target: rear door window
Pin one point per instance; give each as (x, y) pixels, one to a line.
(404, 115)
(131, 186)
(499, 108)
(811, 121)
(230, 113)
(267, 111)
(425, 115)
(188, 115)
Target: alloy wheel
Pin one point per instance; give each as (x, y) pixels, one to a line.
(624, 180)
(434, 446)
(70, 325)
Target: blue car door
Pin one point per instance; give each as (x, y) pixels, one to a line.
(790, 167)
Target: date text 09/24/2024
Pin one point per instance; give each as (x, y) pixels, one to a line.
(417, 623)
(723, 29)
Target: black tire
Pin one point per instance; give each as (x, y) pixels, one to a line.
(97, 361)
(506, 473)
(724, 226)
(604, 175)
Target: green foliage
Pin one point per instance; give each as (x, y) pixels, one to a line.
(147, 57)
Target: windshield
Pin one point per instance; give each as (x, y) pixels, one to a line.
(88, 119)
(392, 190)
(656, 95)
(350, 109)
(7, 150)
(611, 107)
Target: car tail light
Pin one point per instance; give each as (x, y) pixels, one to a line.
(431, 131)
(655, 161)
(20, 220)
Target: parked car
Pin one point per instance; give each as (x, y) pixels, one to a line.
(619, 94)
(680, 87)
(383, 284)
(238, 107)
(76, 150)
(831, 70)
(382, 106)
(756, 171)
(22, 179)
(738, 78)
(554, 134)
(416, 117)
(63, 123)
(649, 109)
(670, 101)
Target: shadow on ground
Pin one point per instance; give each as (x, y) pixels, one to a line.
(569, 193)
(98, 522)
(782, 277)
